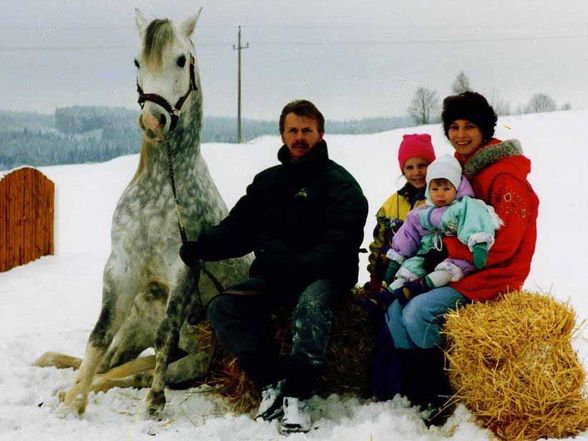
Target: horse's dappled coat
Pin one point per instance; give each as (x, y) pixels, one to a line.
(147, 290)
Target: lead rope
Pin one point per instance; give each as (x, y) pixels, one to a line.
(200, 265)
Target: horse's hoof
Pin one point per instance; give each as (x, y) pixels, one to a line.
(155, 403)
(46, 360)
(60, 361)
(72, 402)
(65, 411)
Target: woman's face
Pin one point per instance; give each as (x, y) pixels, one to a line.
(415, 172)
(464, 136)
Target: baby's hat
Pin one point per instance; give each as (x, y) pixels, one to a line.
(445, 167)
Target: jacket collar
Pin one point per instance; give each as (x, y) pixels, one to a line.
(316, 157)
(491, 153)
(412, 194)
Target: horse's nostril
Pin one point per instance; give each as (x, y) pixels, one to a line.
(162, 120)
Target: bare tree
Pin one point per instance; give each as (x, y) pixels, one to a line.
(500, 106)
(566, 106)
(541, 103)
(423, 106)
(461, 83)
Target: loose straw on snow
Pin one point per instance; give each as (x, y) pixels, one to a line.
(512, 364)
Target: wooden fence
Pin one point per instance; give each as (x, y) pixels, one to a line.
(26, 217)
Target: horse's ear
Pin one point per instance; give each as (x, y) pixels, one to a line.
(141, 21)
(189, 24)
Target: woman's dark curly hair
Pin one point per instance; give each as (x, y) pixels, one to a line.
(470, 106)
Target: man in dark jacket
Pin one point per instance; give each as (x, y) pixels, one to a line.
(304, 221)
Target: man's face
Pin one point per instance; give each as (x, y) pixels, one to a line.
(300, 135)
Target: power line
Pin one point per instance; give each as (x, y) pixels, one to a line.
(315, 43)
(83, 48)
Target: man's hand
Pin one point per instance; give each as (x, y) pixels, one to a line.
(480, 252)
(190, 252)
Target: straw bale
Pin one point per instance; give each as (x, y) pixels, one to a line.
(512, 364)
(346, 367)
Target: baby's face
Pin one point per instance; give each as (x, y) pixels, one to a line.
(442, 194)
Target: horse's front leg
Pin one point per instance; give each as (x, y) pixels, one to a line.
(76, 398)
(167, 339)
(114, 307)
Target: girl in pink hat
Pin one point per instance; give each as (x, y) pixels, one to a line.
(414, 156)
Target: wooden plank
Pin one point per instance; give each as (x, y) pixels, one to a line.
(27, 218)
(11, 226)
(51, 217)
(21, 213)
(33, 215)
(18, 205)
(38, 215)
(3, 227)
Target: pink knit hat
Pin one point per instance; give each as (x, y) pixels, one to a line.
(415, 146)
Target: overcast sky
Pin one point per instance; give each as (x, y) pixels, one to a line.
(354, 59)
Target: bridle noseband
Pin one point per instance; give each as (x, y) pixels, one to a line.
(174, 111)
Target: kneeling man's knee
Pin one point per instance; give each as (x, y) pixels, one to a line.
(217, 309)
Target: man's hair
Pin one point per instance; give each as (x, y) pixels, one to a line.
(440, 182)
(303, 108)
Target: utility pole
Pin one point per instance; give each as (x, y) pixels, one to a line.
(238, 48)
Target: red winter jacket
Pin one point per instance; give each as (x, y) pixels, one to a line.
(498, 173)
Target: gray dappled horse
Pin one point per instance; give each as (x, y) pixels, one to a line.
(148, 291)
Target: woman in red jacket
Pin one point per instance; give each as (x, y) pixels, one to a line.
(498, 172)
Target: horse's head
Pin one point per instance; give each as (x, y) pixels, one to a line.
(167, 74)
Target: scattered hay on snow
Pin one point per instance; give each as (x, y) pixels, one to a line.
(512, 364)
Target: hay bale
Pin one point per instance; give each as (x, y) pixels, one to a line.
(512, 364)
(346, 369)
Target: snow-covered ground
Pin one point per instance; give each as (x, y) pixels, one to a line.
(52, 303)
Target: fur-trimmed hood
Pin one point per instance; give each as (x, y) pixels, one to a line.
(489, 154)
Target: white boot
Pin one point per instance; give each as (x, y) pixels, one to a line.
(296, 416)
(271, 402)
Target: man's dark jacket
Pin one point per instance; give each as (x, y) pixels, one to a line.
(303, 220)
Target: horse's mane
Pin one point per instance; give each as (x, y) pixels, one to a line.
(143, 158)
(158, 36)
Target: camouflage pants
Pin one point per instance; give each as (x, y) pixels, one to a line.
(242, 320)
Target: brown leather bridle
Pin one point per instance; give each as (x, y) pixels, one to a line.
(174, 111)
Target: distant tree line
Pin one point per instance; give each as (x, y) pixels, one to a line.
(82, 134)
(425, 106)
(38, 148)
(72, 135)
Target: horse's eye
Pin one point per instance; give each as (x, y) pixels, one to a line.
(181, 61)
(136, 63)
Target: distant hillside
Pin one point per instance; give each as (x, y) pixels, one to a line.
(17, 121)
(82, 134)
